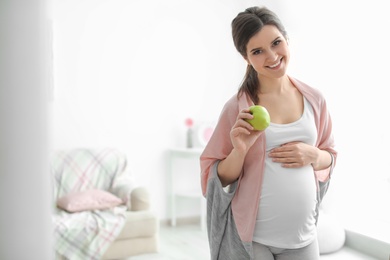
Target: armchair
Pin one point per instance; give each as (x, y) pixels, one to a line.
(98, 214)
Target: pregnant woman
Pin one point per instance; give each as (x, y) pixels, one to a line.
(263, 188)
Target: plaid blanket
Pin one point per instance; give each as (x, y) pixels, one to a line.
(87, 235)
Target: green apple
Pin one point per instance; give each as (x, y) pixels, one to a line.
(261, 118)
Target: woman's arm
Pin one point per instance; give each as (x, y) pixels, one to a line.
(298, 154)
(242, 136)
(324, 160)
(230, 168)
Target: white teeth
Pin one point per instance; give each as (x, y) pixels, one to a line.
(273, 66)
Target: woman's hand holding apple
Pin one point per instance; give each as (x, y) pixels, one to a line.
(243, 135)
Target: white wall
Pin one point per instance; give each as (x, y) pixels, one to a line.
(341, 47)
(129, 72)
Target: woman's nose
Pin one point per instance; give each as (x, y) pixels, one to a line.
(272, 55)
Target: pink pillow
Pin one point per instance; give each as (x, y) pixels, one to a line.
(88, 200)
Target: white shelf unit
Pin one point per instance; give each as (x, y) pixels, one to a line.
(185, 183)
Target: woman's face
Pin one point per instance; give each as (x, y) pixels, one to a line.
(268, 52)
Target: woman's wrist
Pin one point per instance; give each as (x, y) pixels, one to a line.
(230, 168)
(323, 160)
(238, 153)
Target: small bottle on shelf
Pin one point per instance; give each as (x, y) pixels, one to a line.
(190, 133)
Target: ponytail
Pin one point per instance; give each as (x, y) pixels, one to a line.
(250, 84)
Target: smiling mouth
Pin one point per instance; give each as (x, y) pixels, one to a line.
(276, 64)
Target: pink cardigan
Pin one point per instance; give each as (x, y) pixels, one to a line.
(246, 199)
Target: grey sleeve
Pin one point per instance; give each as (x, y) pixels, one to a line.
(224, 240)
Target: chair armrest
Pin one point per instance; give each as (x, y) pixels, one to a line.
(123, 192)
(140, 199)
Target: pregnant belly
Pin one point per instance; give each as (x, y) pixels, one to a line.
(288, 200)
(288, 191)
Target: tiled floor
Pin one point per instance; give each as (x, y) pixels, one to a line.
(347, 254)
(184, 242)
(189, 242)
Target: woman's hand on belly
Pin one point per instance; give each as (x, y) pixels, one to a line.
(294, 154)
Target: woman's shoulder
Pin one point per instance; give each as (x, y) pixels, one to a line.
(310, 92)
(232, 107)
(238, 102)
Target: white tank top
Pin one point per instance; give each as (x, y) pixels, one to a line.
(286, 215)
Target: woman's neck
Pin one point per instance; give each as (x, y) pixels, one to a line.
(274, 85)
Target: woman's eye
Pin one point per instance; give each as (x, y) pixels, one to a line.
(277, 42)
(256, 52)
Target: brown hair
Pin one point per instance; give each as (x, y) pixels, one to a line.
(244, 26)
